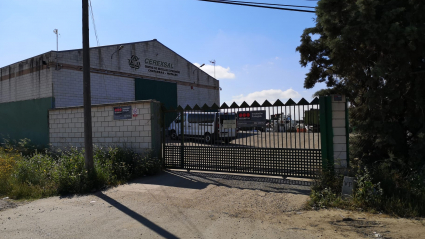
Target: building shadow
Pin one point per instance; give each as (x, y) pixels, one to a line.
(144, 221)
(200, 180)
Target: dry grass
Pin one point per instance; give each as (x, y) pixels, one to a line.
(7, 164)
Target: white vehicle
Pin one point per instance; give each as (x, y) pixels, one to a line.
(208, 125)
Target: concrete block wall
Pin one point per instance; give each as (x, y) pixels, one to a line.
(66, 127)
(27, 80)
(339, 131)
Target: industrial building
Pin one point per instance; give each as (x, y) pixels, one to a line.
(130, 72)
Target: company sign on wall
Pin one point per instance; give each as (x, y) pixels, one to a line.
(154, 66)
(123, 112)
(160, 67)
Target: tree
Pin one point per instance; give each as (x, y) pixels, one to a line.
(373, 51)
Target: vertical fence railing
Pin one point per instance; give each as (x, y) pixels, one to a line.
(273, 139)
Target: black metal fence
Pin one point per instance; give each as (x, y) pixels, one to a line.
(269, 139)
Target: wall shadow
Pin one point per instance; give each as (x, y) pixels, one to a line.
(159, 230)
(201, 180)
(172, 179)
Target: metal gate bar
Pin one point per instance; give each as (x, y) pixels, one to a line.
(301, 163)
(286, 144)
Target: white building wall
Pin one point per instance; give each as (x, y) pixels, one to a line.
(68, 88)
(26, 80)
(200, 96)
(107, 88)
(112, 78)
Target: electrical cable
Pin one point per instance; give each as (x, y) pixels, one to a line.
(98, 44)
(253, 4)
(94, 24)
(269, 4)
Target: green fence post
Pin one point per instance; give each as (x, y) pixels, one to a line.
(326, 132)
(162, 113)
(347, 132)
(182, 139)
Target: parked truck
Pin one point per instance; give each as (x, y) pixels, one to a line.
(312, 120)
(282, 123)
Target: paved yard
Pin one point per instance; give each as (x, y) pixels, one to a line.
(259, 139)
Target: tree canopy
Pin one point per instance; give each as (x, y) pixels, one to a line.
(373, 51)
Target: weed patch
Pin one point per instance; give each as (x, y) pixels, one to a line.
(376, 191)
(44, 174)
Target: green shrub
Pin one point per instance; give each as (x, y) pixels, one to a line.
(7, 166)
(43, 174)
(326, 190)
(403, 192)
(367, 193)
(70, 173)
(376, 190)
(401, 179)
(23, 146)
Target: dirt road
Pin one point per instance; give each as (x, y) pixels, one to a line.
(178, 204)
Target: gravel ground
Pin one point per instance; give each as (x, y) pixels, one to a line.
(178, 204)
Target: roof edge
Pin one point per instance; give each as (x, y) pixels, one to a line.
(185, 59)
(26, 59)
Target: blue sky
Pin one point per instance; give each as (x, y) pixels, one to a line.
(254, 48)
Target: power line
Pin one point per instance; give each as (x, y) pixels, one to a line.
(269, 4)
(253, 4)
(94, 24)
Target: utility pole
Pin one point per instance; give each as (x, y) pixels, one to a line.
(213, 62)
(88, 144)
(56, 31)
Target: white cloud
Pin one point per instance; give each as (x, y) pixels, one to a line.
(271, 95)
(220, 72)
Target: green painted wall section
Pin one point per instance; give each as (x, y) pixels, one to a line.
(26, 119)
(326, 132)
(164, 92)
(156, 124)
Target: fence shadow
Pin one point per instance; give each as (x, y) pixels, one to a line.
(201, 180)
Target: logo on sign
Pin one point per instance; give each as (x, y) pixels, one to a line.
(134, 62)
(244, 115)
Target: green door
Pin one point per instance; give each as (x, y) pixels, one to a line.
(164, 92)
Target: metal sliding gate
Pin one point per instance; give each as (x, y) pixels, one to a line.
(281, 139)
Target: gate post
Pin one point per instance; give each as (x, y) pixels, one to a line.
(326, 132)
(163, 112)
(340, 124)
(334, 131)
(182, 139)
